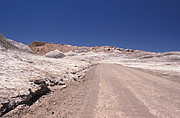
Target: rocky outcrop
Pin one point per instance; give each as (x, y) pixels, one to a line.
(1, 36)
(42, 48)
(81, 50)
(27, 99)
(71, 53)
(37, 43)
(7, 44)
(55, 54)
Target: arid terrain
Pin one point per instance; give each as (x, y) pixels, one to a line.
(45, 80)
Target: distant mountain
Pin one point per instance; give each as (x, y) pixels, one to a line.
(42, 48)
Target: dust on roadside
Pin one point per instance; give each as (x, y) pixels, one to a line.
(60, 103)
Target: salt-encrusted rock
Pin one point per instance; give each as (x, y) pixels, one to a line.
(81, 50)
(9, 44)
(55, 54)
(71, 53)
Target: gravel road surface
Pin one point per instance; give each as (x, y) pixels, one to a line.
(111, 91)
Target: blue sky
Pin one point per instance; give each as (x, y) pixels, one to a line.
(151, 25)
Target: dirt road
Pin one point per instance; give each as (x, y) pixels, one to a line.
(112, 91)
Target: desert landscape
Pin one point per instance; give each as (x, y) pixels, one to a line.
(58, 80)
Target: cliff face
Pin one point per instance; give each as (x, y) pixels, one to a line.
(42, 48)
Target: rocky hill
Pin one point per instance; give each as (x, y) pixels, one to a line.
(42, 48)
(8, 44)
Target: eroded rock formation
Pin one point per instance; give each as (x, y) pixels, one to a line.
(42, 48)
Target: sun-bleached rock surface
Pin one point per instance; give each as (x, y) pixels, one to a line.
(26, 75)
(8, 44)
(166, 63)
(55, 54)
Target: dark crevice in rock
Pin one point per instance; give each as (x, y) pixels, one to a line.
(25, 99)
(34, 96)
